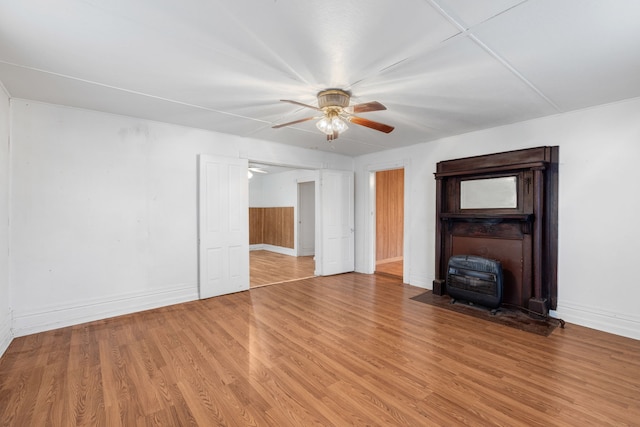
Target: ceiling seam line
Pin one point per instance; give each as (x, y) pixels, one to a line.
(457, 23)
(501, 13)
(462, 32)
(466, 31)
(173, 101)
(514, 71)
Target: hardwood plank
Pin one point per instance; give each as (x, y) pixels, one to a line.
(351, 349)
(393, 268)
(288, 224)
(267, 268)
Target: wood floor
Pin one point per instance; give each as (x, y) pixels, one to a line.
(268, 267)
(351, 349)
(391, 268)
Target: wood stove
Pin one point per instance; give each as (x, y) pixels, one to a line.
(475, 279)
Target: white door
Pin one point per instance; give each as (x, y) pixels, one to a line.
(306, 218)
(223, 226)
(336, 223)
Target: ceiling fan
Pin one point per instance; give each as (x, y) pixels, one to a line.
(256, 168)
(336, 111)
(253, 168)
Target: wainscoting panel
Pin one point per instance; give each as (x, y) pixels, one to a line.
(256, 226)
(272, 226)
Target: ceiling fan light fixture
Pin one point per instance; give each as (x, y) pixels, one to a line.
(331, 125)
(333, 98)
(338, 124)
(336, 111)
(324, 125)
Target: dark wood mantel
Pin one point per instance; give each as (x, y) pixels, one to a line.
(524, 238)
(475, 217)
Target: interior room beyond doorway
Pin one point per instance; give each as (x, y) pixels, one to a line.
(390, 222)
(281, 224)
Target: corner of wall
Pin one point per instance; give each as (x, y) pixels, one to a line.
(6, 314)
(6, 334)
(420, 281)
(4, 89)
(279, 250)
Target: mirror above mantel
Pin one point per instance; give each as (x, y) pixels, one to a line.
(489, 193)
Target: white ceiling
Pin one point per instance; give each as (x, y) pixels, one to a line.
(442, 67)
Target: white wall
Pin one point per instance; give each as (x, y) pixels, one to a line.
(278, 189)
(104, 211)
(255, 191)
(599, 241)
(5, 303)
(104, 220)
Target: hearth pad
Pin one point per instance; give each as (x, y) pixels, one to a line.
(505, 316)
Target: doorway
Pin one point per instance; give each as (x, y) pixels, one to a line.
(326, 194)
(389, 223)
(268, 266)
(282, 235)
(306, 218)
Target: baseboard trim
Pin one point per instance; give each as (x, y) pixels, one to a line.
(388, 260)
(280, 250)
(49, 318)
(277, 249)
(420, 282)
(6, 336)
(625, 325)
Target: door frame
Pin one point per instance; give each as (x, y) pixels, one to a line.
(319, 231)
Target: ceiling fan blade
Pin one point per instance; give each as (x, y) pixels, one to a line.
(301, 104)
(371, 124)
(365, 108)
(306, 119)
